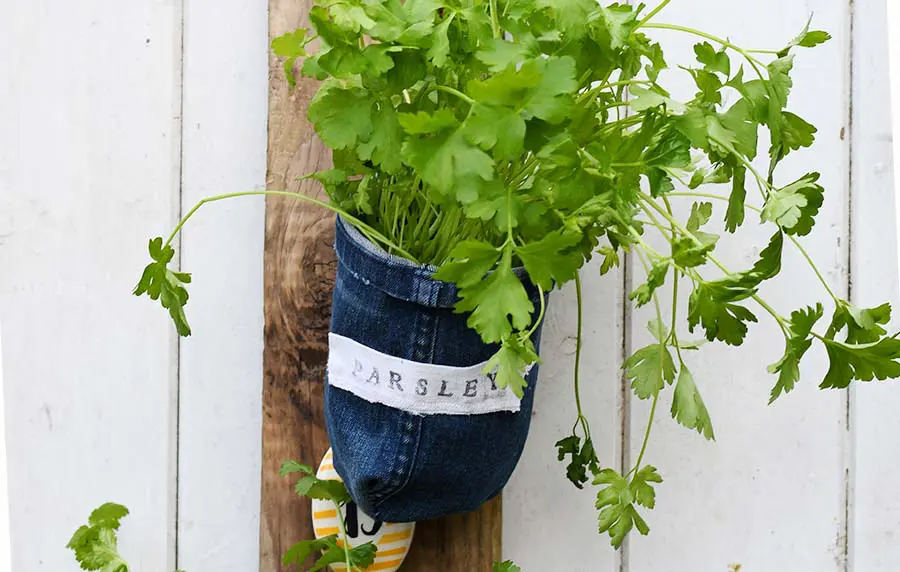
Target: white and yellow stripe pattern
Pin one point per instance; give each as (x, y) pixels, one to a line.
(392, 539)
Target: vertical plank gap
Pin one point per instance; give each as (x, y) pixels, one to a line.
(175, 441)
(624, 408)
(848, 444)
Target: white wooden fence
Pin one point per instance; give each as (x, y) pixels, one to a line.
(116, 116)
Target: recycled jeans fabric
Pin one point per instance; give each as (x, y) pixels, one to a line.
(400, 466)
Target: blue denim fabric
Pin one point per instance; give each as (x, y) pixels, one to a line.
(398, 466)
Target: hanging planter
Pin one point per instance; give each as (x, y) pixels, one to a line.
(418, 425)
(483, 153)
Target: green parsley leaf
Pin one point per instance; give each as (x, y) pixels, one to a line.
(848, 362)
(553, 259)
(616, 501)
(797, 344)
(498, 303)
(507, 566)
(445, 158)
(310, 486)
(688, 407)
(299, 552)
(470, 262)
(734, 216)
(649, 369)
(712, 60)
(342, 116)
(509, 365)
(807, 38)
(582, 458)
(795, 206)
(686, 252)
(655, 279)
(321, 489)
(383, 145)
(499, 128)
(291, 46)
(610, 259)
(440, 47)
(713, 306)
(95, 545)
(499, 54)
(165, 285)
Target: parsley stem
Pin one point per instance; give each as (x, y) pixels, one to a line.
(653, 13)
(640, 459)
(710, 37)
(495, 21)
(796, 242)
(455, 92)
(648, 201)
(761, 182)
(673, 335)
(363, 227)
(578, 333)
(698, 194)
(540, 317)
(343, 527)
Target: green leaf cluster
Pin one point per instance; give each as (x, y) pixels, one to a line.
(330, 549)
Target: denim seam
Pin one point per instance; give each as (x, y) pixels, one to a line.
(412, 456)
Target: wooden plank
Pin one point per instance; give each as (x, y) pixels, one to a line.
(770, 493)
(88, 172)
(539, 497)
(299, 275)
(876, 426)
(224, 150)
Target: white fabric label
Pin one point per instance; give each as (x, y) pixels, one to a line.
(421, 388)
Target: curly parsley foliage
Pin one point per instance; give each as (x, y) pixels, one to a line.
(481, 136)
(96, 545)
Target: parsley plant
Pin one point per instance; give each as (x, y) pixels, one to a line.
(481, 135)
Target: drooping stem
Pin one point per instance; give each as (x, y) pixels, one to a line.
(370, 232)
(653, 13)
(640, 459)
(344, 539)
(540, 317)
(648, 201)
(794, 240)
(578, 340)
(676, 276)
(707, 36)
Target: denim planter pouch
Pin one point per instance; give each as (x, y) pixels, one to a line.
(417, 430)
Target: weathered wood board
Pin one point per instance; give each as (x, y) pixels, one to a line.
(299, 275)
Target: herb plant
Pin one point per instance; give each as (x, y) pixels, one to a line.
(480, 135)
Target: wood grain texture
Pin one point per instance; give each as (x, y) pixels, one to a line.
(299, 276)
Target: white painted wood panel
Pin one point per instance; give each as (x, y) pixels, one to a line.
(769, 494)
(542, 510)
(225, 109)
(89, 145)
(5, 546)
(875, 538)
